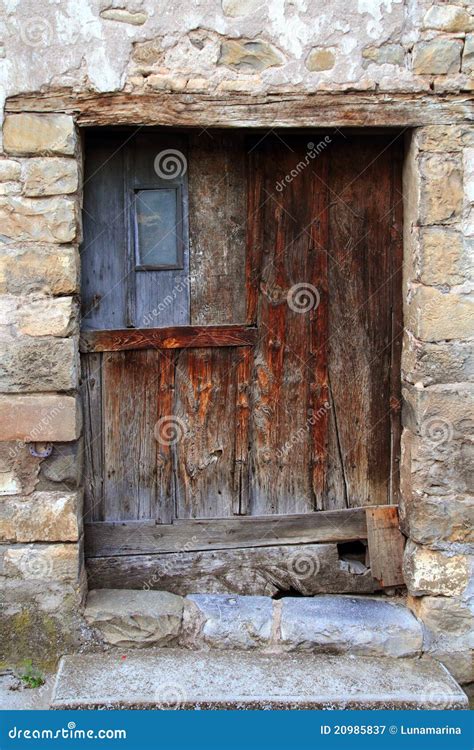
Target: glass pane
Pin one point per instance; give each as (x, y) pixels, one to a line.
(157, 231)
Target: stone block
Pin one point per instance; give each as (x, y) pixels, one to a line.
(227, 622)
(387, 54)
(451, 405)
(39, 269)
(439, 138)
(41, 517)
(448, 624)
(435, 463)
(364, 626)
(468, 162)
(43, 562)
(39, 134)
(437, 57)
(38, 219)
(38, 315)
(135, 618)
(148, 53)
(442, 258)
(248, 55)
(49, 176)
(435, 572)
(451, 18)
(430, 363)
(321, 58)
(441, 195)
(122, 15)
(64, 467)
(33, 365)
(18, 469)
(434, 315)
(40, 418)
(468, 54)
(438, 519)
(9, 170)
(237, 8)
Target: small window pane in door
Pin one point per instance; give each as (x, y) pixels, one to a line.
(157, 229)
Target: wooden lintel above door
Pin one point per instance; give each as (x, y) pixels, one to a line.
(174, 337)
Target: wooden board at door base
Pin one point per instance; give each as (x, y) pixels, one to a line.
(386, 543)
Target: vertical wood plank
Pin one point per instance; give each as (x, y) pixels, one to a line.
(386, 543)
(217, 220)
(91, 397)
(360, 298)
(205, 403)
(103, 250)
(280, 421)
(241, 469)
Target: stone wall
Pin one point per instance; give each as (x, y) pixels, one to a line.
(404, 47)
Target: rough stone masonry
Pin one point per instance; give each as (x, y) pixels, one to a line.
(417, 50)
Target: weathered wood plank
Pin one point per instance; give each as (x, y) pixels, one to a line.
(242, 440)
(132, 382)
(386, 543)
(132, 538)
(308, 570)
(272, 110)
(217, 221)
(283, 376)
(91, 395)
(205, 405)
(175, 337)
(360, 316)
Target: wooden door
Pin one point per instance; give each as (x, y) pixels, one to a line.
(241, 370)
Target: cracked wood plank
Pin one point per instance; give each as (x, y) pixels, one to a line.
(386, 543)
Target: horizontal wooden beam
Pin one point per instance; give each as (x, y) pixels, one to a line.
(310, 570)
(140, 538)
(272, 109)
(177, 337)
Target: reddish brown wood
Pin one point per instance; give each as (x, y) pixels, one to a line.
(386, 543)
(242, 442)
(177, 337)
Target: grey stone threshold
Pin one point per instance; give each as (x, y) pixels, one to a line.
(183, 679)
(334, 624)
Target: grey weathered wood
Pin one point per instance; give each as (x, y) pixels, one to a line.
(275, 109)
(217, 222)
(161, 298)
(133, 538)
(205, 406)
(386, 543)
(91, 396)
(310, 569)
(104, 270)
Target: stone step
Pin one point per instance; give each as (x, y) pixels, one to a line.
(358, 625)
(179, 678)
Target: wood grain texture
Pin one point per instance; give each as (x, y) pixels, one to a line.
(217, 223)
(284, 220)
(134, 538)
(275, 109)
(309, 570)
(361, 290)
(386, 543)
(91, 396)
(205, 406)
(175, 337)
